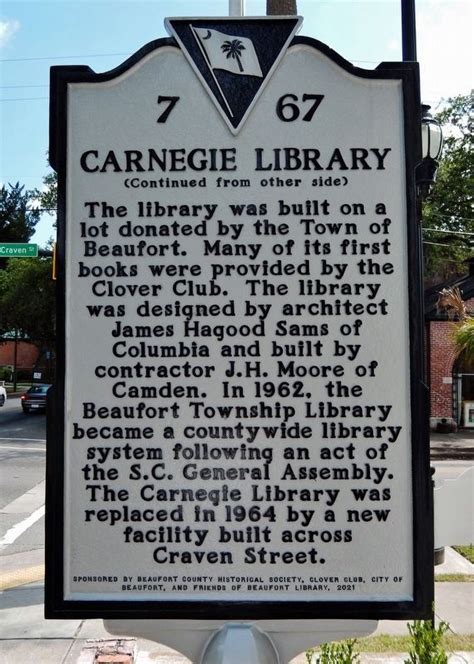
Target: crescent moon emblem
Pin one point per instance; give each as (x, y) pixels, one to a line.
(209, 34)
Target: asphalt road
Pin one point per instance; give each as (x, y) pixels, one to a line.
(22, 469)
(15, 424)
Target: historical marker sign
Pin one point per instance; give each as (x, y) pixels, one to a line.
(240, 424)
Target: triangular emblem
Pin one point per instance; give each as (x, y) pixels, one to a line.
(234, 58)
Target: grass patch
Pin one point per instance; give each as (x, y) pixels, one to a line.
(387, 643)
(20, 387)
(466, 550)
(454, 578)
(384, 643)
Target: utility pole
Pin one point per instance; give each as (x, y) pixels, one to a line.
(15, 360)
(281, 8)
(408, 30)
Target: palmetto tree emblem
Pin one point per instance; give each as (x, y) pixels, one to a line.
(234, 50)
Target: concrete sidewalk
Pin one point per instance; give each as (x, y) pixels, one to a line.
(26, 638)
(459, 445)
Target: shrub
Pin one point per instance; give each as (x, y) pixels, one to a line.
(341, 652)
(426, 645)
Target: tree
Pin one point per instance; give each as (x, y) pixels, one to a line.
(447, 212)
(450, 300)
(27, 300)
(17, 217)
(49, 196)
(464, 341)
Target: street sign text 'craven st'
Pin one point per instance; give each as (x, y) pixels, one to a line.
(240, 424)
(18, 250)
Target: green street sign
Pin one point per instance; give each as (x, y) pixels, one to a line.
(18, 250)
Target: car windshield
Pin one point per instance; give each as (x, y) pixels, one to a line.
(38, 389)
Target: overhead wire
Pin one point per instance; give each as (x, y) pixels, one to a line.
(62, 57)
(440, 230)
(109, 55)
(449, 216)
(24, 98)
(35, 85)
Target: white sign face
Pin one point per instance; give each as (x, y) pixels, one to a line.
(237, 407)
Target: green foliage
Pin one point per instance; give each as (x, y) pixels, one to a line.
(27, 300)
(449, 206)
(426, 647)
(466, 550)
(5, 373)
(49, 196)
(454, 578)
(341, 652)
(17, 219)
(464, 340)
(387, 643)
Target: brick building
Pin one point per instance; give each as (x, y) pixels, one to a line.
(451, 379)
(27, 358)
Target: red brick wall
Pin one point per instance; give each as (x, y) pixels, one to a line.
(27, 354)
(441, 359)
(441, 369)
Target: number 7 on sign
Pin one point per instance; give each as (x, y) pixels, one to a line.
(172, 101)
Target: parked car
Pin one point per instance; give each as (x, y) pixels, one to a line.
(35, 399)
(3, 393)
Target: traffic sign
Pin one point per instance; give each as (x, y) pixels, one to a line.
(18, 250)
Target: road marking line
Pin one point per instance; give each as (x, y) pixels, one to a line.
(20, 577)
(27, 502)
(23, 449)
(33, 440)
(15, 531)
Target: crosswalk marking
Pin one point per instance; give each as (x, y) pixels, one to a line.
(18, 529)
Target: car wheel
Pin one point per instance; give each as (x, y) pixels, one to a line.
(2, 399)
(26, 410)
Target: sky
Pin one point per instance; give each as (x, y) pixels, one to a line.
(35, 35)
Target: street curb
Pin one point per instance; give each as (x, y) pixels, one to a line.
(20, 577)
(452, 454)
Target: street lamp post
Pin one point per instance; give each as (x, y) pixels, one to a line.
(432, 146)
(408, 30)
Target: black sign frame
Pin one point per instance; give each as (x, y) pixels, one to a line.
(421, 606)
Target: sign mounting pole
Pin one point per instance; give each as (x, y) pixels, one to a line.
(257, 646)
(236, 7)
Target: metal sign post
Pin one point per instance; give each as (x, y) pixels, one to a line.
(235, 643)
(278, 640)
(236, 7)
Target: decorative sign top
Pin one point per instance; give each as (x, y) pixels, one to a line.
(239, 427)
(234, 58)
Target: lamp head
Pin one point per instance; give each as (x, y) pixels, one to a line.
(432, 146)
